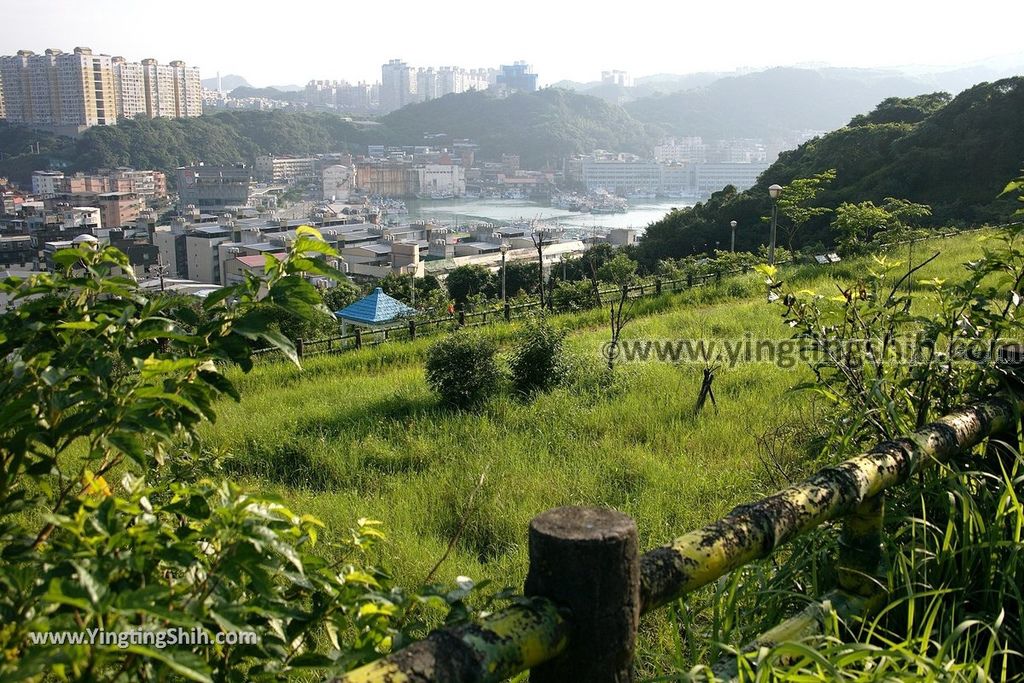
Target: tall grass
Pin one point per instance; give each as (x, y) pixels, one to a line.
(359, 434)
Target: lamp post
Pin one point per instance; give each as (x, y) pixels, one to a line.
(733, 224)
(504, 250)
(774, 191)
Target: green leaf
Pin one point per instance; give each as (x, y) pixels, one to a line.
(180, 661)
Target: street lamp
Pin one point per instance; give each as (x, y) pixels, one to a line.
(504, 250)
(774, 191)
(733, 224)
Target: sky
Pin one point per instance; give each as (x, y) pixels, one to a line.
(284, 42)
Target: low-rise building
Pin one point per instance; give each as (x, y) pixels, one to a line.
(285, 170)
(214, 188)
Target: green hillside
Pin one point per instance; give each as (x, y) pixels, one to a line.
(542, 127)
(954, 156)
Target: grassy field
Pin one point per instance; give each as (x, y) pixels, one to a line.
(360, 434)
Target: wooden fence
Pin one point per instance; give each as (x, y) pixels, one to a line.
(412, 328)
(587, 584)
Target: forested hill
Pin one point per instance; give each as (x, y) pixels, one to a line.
(543, 127)
(953, 154)
(164, 144)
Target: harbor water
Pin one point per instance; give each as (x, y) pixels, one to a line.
(639, 214)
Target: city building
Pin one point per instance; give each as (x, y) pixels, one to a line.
(622, 175)
(712, 177)
(616, 77)
(47, 184)
(68, 92)
(337, 181)
(685, 150)
(287, 170)
(119, 209)
(398, 83)
(214, 188)
(516, 77)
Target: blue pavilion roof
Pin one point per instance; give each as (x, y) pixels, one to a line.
(374, 309)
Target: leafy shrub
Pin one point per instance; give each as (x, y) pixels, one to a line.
(573, 296)
(97, 378)
(538, 362)
(463, 369)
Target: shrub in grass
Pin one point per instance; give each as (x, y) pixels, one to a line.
(463, 369)
(538, 362)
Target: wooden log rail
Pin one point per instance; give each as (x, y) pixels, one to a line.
(587, 585)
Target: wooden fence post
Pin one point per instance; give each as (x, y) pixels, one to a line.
(412, 329)
(657, 285)
(508, 312)
(299, 348)
(718, 276)
(860, 548)
(359, 338)
(689, 279)
(585, 560)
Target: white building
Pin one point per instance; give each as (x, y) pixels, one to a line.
(337, 182)
(47, 184)
(442, 180)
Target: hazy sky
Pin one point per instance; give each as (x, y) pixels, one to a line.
(292, 41)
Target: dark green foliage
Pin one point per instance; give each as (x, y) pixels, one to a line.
(400, 287)
(520, 278)
(538, 362)
(573, 296)
(165, 144)
(340, 295)
(470, 281)
(904, 109)
(463, 369)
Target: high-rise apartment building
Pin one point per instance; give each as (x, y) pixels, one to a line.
(131, 88)
(398, 85)
(72, 91)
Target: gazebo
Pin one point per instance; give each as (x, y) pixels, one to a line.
(373, 311)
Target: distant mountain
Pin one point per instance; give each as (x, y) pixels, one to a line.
(287, 88)
(228, 83)
(773, 102)
(269, 93)
(955, 154)
(543, 127)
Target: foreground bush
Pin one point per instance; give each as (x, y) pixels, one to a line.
(463, 369)
(99, 580)
(538, 362)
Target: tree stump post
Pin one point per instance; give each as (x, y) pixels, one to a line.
(657, 285)
(412, 329)
(299, 347)
(586, 561)
(508, 312)
(359, 338)
(462, 318)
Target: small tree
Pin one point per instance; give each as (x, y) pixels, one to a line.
(621, 270)
(795, 203)
(463, 369)
(538, 362)
(467, 281)
(854, 224)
